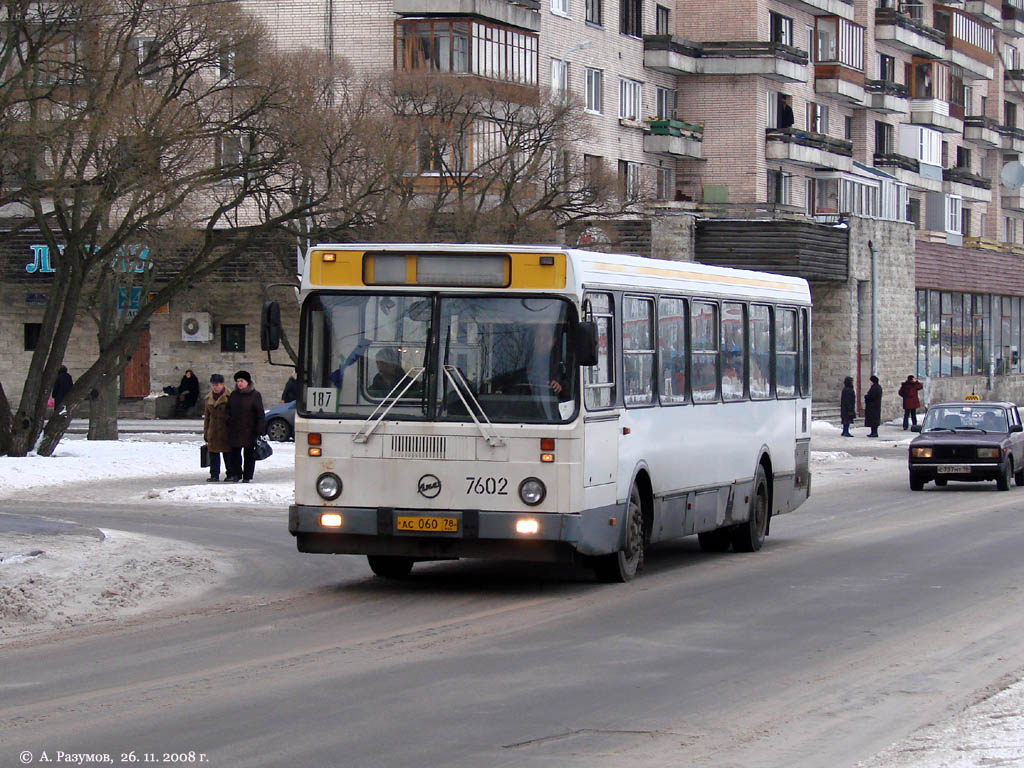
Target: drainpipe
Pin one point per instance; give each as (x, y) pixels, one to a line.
(874, 308)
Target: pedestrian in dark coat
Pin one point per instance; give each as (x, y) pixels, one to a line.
(246, 423)
(873, 407)
(911, 400)
(291, 390)
(215, 426)
(61, 387)
(188, 392)
(848, 405)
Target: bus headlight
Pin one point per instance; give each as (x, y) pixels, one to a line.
(328, 485)
(532, 491)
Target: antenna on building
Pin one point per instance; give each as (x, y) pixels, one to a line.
(1012, 175)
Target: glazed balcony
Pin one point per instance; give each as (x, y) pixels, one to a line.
(908, 171)
(841, 8)
(1013, 20)
(934, 113)
(839, 67)
(775, 61)
(671, 55)
(674, 138)
(887, 96)
(908, 34)
(524, 14)
(815, 150)
(982, 131)
(968, 185)
(970, 43)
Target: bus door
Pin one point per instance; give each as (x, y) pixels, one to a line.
(601, 419)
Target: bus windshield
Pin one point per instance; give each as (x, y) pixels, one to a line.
(509, 359)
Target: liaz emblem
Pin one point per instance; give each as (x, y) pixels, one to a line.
(429, 486)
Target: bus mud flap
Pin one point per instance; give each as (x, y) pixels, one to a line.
(385, 521)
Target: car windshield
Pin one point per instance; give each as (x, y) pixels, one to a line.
(965, 417)
(508, 359)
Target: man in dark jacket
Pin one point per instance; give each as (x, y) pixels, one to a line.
(848, 405)
(873, 407)
(911, 400)
(61, 387)
(245, 424)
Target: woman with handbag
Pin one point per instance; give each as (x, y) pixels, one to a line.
(215, 427)
(245, 426)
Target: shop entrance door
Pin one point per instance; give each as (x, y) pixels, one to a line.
(135, 378)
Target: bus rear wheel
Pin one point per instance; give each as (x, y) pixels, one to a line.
(390, 566)
(623, 565)
(749, 536)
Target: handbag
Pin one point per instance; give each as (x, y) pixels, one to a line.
(204, 455)
(262, 449)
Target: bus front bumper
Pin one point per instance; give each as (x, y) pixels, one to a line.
(477, 533)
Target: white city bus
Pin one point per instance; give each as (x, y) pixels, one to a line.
(544, 404)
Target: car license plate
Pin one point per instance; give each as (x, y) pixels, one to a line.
(954, 469)
(427, 524)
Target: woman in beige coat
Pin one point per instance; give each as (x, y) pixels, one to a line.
(215, 425)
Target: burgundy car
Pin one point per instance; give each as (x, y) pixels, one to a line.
(968, 441)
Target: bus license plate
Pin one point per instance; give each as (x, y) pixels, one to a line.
(954, 469)
(427, 524)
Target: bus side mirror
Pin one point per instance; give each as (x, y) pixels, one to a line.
(270, 326)
(586, 343)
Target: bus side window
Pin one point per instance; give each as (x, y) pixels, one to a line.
(638, 351)
(805, 354)
(672, 351)
(598, 380)
(760, 339)
(704, 351)
(734, 372)
(785, 352)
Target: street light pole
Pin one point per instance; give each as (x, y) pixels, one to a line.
(565, 67)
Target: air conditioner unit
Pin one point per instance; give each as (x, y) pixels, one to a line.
(195, 326)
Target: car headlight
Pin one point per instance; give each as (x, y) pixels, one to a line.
(989, 453)
(532, 491)
(328, 485)
(921, 453)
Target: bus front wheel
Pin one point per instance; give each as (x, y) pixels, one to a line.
(749, 536)
(627, 562)
(390, 566)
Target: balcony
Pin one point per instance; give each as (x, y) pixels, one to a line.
(887, 96)
(970, 44)
(840, 82)
(674, 138)
(1012, 138)
(934, 113)
(841, 8)
(671, 55)
(1012, 198)
(910, 35)
(754, 57)
(1013, 21)
(908, 171)
(983, 131)
(986, 10)
(968, 185)
(815, 150)
(524, 14)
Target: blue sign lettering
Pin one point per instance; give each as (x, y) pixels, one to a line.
(40, 260)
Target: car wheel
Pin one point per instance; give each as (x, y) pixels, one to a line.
(279, 430)
(627, 562)
(1005, 473)
(916, 483)
(390, 566)
(941, 481)
(749, 536)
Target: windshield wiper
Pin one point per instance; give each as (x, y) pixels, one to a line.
(389, 401)
(459, 384)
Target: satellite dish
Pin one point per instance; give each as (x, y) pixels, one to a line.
(1012, 175)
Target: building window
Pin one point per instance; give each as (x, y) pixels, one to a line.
(963, 158)
(817, 117)
(886, 67)
(884, 138)
(661, 20)
(840, 41)
(232, 150)
(914, 211)
(952, 330)
(965, 221)
(953, 208)
(1009, 114)
(629, 99)
(848, 128)
(631, 21)
(1011, 56)
(32, 336)
(593, 166)
(778, 187)
(232, 338)
(594, 88)
(637, 351)
(593, 12)
(629, 179)
(663, 184)
(781, 28)
(559, 75)
(560, 7)
(666, 103)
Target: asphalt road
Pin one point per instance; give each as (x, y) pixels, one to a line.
(870, 612)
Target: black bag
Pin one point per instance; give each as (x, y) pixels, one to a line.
(262, 449)
(204, 455)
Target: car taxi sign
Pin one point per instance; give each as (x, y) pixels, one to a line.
(972, 397)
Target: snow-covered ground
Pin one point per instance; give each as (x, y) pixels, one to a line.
(51, 581)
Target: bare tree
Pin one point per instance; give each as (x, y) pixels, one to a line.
(177, 126)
